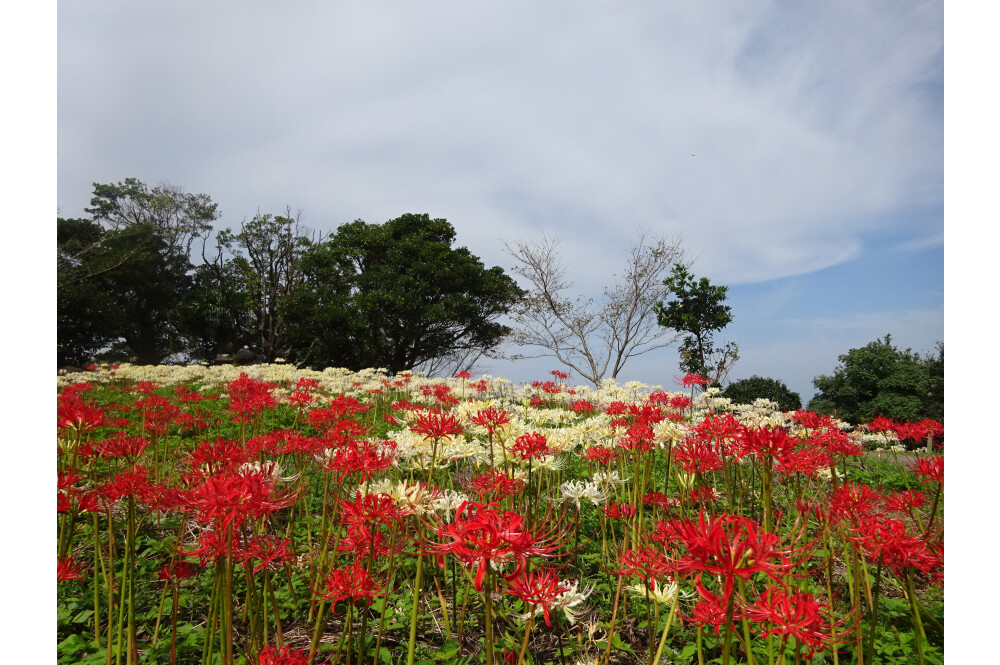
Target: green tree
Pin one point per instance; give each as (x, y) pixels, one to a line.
(123, 276)
(82, 325)
(698, 309)
(880, 379)
(178, 216)
(267, 252)
(745, 391)
(119, 295)
(394, 295)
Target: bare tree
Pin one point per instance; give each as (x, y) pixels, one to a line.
(273, 246)
(451, 363)
(592, 339)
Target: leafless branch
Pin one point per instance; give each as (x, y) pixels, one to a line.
(576, 332)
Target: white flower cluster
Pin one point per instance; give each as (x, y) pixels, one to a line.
(577, 491)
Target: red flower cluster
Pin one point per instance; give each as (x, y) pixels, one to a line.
(539, 588)
(530, 446)
(492, 419)
(482, 534)
(351, 583)
(436, 425)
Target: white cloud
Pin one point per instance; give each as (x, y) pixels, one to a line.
(806, 123)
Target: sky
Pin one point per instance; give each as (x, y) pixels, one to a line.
(796, 147)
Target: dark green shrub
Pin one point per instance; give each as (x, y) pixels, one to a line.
(745, 391)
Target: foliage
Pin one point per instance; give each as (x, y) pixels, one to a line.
(588, 339)
(697, 309)
(881, 380)
(178, 217)
(268, 252)
(394, 295)
(119, 290)
(745, 391)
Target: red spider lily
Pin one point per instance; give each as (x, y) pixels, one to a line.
(495, 484)
(248, 398)
(228, 499)
(852, 503)
(283, 655)
(492, 419)
(217, 456)
(616, 409)
(539, 588)
(352, 582)
(886, 541)
(530, 446)
(882, 424)
(344, 404)
(600, 454)
(179, 570)
(619, 511)
(835, 442)
(184, 394)
(804, 460)
(362, 516)
(812, 420)
(342, 432)
(122, 446)
(463, 375)
(481, 534)
(437, 425)
(212, 546)
(68, 570)
(582, 407)
(680, 402)
(645, 414)
(156, 414)
(697, 456)
(67, 479)
(931, 469)
(639, 437)
(711, 612)
(694, 380)
(905, 501)
(78, 415)
(559, 375)
(766, 442)
(720, 429)
(287, 442)
(795, 614)
(730, 546)
(301, 399)
(365, 459)
(133, 483)
(658, 499)
(646, 563)
(704, 494)
(269, 552)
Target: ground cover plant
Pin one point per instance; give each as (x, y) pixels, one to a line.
(271, 515)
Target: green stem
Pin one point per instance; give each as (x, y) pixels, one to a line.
(666, 628)
(411, 646)
(918, 627)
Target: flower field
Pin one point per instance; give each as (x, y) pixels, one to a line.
(276, 516)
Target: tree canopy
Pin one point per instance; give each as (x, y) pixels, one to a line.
(746, 391)
(879, 379)
(395, 295)
(697, 309)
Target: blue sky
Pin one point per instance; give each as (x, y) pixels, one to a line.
(797, 147)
